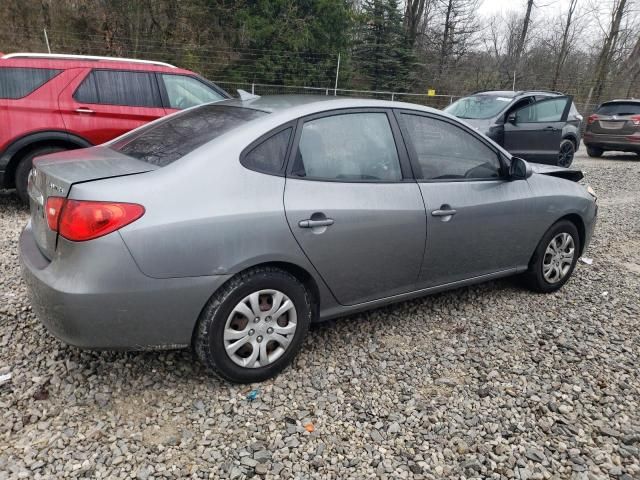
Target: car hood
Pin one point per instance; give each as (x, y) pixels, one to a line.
(554, 171)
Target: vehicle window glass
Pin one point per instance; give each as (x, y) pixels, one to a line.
(348, 147)
(478, 106)
(445, 151)
(269, 155)
(20, 82)
(620, 108)
(185, 92)
(165, 141)
(112, 87)
(546, 111)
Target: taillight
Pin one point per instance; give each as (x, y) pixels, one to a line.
(81, 220)
(636, 120)
(53, 209)
(592, 119)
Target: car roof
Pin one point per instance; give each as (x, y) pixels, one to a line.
(622, 100)
(513, 94)
(64, 61)
(317, 103)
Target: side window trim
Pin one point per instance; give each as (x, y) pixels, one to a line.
(565, 113)
(403, 157)
(156, 91)
(413, 155)
(263, 138)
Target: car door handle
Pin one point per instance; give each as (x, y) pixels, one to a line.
(327, 222)
(550, 128)
(84, 110)
(444, 213)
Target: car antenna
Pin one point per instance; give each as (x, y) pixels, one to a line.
(246, 95)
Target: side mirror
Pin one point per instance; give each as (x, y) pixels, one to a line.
(511, 118)
(520, 169)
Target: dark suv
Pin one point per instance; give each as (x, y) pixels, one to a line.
(59, 102)
(538, 126)
(614, 126)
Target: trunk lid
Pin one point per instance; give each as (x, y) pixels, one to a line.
(613, 125)
(55, 174)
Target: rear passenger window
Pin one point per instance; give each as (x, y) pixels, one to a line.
(269, 156)
(447, 152)
(111, 87)
(20, 82)
(348, 147)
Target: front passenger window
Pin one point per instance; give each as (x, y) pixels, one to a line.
(348, 147)
(447, 152)
(544, 111)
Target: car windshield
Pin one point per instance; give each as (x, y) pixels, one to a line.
(478, 106)
(164, 142)
(619, 108)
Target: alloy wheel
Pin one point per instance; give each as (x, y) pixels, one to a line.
(260, 328)
(558, 258)
(565, 157)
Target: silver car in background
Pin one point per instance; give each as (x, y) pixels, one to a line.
(230, 227)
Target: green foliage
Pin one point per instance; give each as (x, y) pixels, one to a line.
(291, 42)
(383, 58)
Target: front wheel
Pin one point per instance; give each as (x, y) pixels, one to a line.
(555, 258)
(254, 325)
(566, 153)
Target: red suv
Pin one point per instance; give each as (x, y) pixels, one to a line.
(50, 103)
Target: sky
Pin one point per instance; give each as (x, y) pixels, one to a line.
(490, 7)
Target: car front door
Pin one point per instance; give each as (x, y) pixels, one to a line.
(104, 104)
(352, 205)
(534, 132)
(476, 216)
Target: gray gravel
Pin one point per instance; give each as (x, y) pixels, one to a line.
(484, 382)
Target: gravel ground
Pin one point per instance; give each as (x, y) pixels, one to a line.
(484, 382)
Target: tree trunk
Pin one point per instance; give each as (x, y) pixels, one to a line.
(446, 37)
(604, 59)
(564, 48)
(412, 17)
(523, 34)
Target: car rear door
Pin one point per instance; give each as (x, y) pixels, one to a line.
(352, 205)
(104, 104)
(534, 132)
(180, 91)
(476, 216)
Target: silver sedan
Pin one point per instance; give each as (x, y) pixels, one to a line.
(230, 227)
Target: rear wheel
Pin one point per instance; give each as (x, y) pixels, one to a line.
(594, 152)
(555, 258)
(24, 167)
(566, 153)
(254, 325)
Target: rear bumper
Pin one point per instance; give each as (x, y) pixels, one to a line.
(625, 143)
(97, 297)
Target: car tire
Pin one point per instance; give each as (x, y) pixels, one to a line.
(566, 153)
(226, 316)
(594, 152)
(24, 167)
(550, 266)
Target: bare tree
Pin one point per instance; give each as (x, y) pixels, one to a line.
(565, 44)
(618, 12)
(413, 16)
(523, 34)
